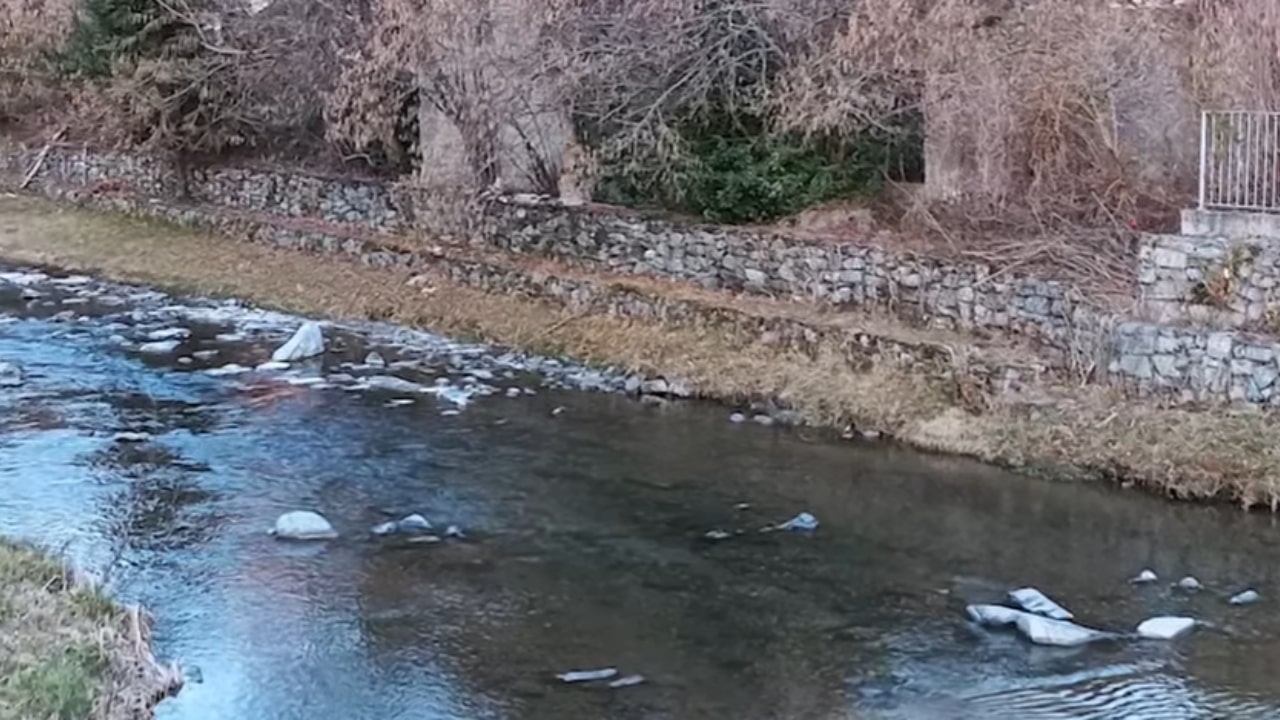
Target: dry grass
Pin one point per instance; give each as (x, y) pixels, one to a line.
(66, 651)
(1188, 454)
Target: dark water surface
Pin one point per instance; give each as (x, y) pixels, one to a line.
(585, 544)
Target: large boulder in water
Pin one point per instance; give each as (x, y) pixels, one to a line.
(307, 342)
(303, 525)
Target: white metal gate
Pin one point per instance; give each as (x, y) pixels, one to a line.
(1240, 160)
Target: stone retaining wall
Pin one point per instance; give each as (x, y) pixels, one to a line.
(1210, 281)
(1166, 358)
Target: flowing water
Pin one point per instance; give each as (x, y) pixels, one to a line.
(586, 515)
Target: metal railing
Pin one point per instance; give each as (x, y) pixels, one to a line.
(1240, 160)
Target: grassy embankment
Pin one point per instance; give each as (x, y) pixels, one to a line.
(1196, 454)
(67, 652)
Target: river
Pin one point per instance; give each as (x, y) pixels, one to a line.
(586, 515)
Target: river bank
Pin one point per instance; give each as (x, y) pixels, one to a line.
(67, 650)
(1220, 453)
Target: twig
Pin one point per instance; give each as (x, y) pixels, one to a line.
(44, 153)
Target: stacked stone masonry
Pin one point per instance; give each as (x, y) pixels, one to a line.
(1171, 349)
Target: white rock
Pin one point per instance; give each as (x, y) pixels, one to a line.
(1165, 628)
(627, 681)
(1248, 597)
(205, 354)
(159, 347)
(391, 383)
(413, 523)
(513, 392)
(993, 615)
(1032, 600)
(1059, 633)
(1189, 583)
(303, 525)
(453, 531)
(1144, 577)
(131, 437)
(737, 418)
(229, 369)
(307, 342)
(228, 337)
(575, 676)
(272, 366)
(168, 334)
(10, 375)
(716, 535)
(374, 359)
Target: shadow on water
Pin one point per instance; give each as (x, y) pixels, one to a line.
(586, 546)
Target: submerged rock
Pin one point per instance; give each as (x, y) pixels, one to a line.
(1165, 628)
(1057, 633)
(804, 522)
(374, 359)
(10, 375)
(1034, 601)
(303, 525)
(627, 681)
(1189, 584)
(307, 342)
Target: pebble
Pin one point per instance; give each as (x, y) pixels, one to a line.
(764, 420)
(737, 418)
(1144, 577)
(1189, 583)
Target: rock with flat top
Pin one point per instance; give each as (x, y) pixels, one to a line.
(1057, 633)
(307, 342)
(1034, 601)
(303, 525)
(1165, 628)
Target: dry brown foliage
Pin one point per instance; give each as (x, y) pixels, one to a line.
(28, 27)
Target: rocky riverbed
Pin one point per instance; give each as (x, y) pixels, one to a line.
(153, 439)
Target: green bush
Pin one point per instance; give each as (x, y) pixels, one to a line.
(752, 177)
(106, 31)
